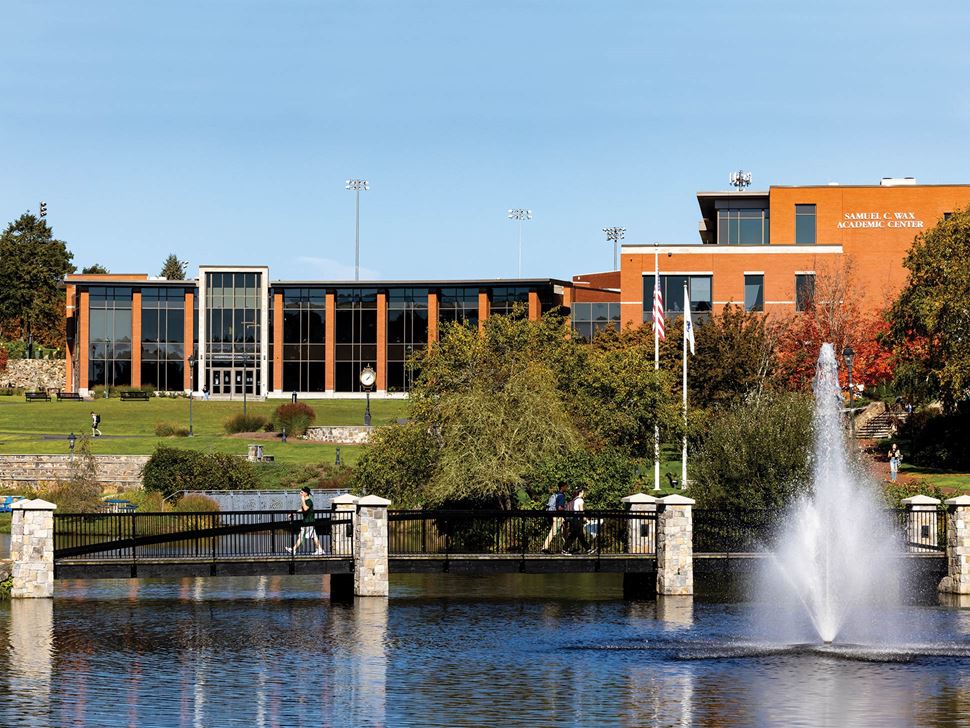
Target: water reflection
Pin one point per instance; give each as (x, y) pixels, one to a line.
(30, 659)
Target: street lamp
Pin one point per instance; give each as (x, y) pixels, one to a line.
(71, 439)
(616, 235)
(367, 378)
(246, 324)
(519, 215)
(191, 386)
(849, 356)
(357, 185)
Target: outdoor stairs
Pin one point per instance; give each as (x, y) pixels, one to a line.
(881, 426)
(120, 471)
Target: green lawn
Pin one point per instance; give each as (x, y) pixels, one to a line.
(944, 479)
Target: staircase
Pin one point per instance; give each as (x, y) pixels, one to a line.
(119, 471)
(877, 422)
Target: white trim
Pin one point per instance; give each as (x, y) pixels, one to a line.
(804, 272)
(780, 303)
(735, 249)
(753, 273)
(681, 273)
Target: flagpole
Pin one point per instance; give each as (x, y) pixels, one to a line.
(656, 367)
(683, 459)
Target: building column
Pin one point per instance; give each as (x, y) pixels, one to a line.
(675, 546)
(381, 363)
(342, 543)
(277, 341)
(188, 344)
(922, 523)
(32, 549)
(434, 298)
(535, 309)
(370, 547)
(330, 318)
(136, 338)
(83, 348)
(70, 328)
(957, 580)
(482, 309)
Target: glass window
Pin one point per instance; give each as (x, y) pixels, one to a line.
(754, 292)
(407, 333)
(805, 224)
(109, 350)
(590, 318)
(699, 288)
(745, 226)
(458, 304)
(304, 339)
(804, 291)
(356, 335)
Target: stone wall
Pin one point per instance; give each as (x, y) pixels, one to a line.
(119, 471)
(340, 435)
(675, 546)
(957, 580)
(371, 547)
(33, 374)
(32, 549)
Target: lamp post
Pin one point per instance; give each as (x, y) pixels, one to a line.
(191, 386)
(245, 325)
(614, 234)
(520, 215)
(849, 356)
(357, 185)
(71, 439)
(367, 378)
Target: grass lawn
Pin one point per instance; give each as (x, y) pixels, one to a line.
(945, 479)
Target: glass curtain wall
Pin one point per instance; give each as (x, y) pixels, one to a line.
(672, 288)
(163, 338)
(458, 304)
(356, 336)
(504, 299)
(407, 332)
(588, 318)
(304, 340)
(233, 329)
(743, 226)
(109, 350)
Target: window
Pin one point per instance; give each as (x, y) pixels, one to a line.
(672, 288)
(356, 336)
(505, 301)
(754, 292)
(458, 304)
(589, 318)
(804, 291)
(163, 338)
(805, 224)
(304, 340)
(742, 226)
(109, 352)
(407, 332)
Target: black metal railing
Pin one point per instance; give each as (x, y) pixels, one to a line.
(921, 531)
(719, 530)
(212, 535)
(522, 533)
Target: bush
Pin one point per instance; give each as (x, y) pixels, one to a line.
(294, 417)
(397, 464)
(170, 429)
(170, 470)
(937, 440)
(244, 423)
(195, 504)
(607, 476)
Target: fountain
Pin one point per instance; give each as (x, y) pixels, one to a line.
(834, 574)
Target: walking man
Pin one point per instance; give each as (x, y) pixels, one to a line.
(556, 502)
(95, 424)
(576, 527)
(307, 531)
(894, 459)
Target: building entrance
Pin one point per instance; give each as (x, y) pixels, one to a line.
(229, 382)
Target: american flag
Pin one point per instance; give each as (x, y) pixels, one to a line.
(658, 310)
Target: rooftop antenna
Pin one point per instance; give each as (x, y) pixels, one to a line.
(740, 179)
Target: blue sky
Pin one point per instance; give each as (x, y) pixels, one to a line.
(223, 130)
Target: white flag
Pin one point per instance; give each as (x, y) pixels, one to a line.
(688, 324)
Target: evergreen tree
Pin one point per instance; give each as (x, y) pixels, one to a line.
(96, 269)
(174, 269)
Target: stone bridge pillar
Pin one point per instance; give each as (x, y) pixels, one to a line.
(922, 531)
(957, 580)
(675, 547)
(342, 543)
(641, 535)
(32, 549)
(371, 547)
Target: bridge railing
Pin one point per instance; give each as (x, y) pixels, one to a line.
(522, 533)
(209, 535)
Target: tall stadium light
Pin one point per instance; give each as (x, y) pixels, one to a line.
(614, 234)
(43, 209)
(520, 215)
(357, 185)
(740, 179)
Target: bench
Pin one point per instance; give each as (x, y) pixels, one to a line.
(73, 396)
(143, 396)
(31, 396)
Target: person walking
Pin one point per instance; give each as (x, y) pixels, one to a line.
(556, 502)
(895, 458)
(205, 392)
(307, 531)
(576, 525)
(95, 424)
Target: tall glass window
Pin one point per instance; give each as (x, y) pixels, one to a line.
(505, 300)
(589, 318)
(672, 289)
(234, 330)
(458, 304)
(407, 332)
(163, 338)
(109, 350)
(804, 291)
(754, 292)
(805, 224)
(743, 226)
(304, 340)
(356, 336)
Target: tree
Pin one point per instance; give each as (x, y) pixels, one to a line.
(32, 265)
(929, 323)
(96, 269)
(174, 269)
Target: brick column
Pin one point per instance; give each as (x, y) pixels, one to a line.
(482, 309)
(330, 317)
(83, 343)
(188, 344)
(922, 529)
(370, 547)
(32, 549)
(957, 580)
(641, 534)
(381, 363)
(136, 338)
(434, 298)
(535, 309)
(675, 547)
(277, 341)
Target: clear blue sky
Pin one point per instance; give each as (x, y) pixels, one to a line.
(223, 130)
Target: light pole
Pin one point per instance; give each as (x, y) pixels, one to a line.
(357, 185)
(520, 215)
(849, 356)
(367, 378)
(245, 325)
(71, 439)
(614, 234)
(191, 386)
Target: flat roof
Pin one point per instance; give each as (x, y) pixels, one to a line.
(456, 283)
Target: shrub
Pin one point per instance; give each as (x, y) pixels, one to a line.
(170, 429)
(195, 504)
(937, 440)
(170, 470)
(607, 476)
(293, 417)
(397, 464)
(244, 423)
